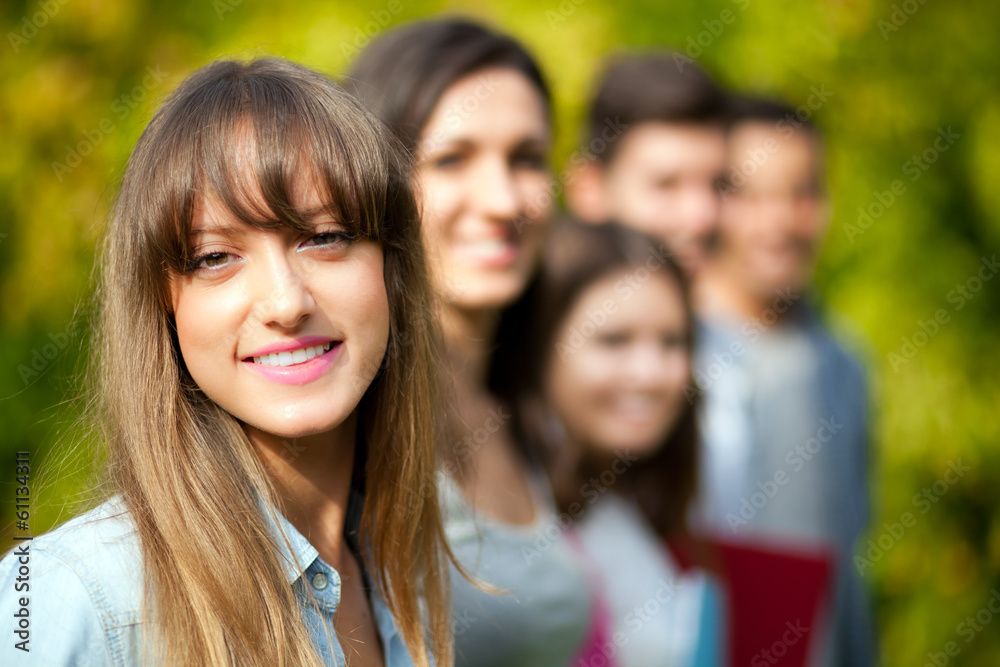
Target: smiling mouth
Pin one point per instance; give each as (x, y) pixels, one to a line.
(492, 252)
(292, 357)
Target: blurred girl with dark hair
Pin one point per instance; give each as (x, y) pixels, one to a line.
(473, 107)
(601, 385)
(265, 355)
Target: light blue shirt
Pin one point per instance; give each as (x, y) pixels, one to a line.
(85, 595)
(770, 394)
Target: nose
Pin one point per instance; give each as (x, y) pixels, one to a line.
(646, 365)
(781, 213)
(701, 210)
(495, 191)
(282, 295)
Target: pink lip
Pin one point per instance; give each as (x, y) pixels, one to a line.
(302, 373)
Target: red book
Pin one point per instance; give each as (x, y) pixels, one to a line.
(775, 596)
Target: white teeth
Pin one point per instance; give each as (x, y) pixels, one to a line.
(292, 357)
(637, 404)
(637, 401)
(490, 245)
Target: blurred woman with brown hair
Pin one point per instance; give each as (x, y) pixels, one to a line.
(601, 383)
(473, 107)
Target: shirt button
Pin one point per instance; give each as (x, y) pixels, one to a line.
(319, 581)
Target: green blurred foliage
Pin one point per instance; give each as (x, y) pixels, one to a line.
(80, 78)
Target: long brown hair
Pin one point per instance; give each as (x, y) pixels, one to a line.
(215, 587)
(577, 256)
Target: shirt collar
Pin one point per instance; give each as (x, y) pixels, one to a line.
(294, 550)
(297, 555)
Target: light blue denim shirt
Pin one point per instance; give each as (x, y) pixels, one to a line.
(85, 595)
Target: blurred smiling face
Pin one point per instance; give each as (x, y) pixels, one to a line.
(622, 387)
(774, 221)
(282, 329)
(485, 187)
(663, 181)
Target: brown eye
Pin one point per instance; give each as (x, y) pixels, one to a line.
(448, 161)
(613, 339)
(215, 259)
(329, 239)
(211, 261)
(529, 160)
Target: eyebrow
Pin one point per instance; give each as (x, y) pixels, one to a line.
(430, 146)
(312, 215)
(534, 142)
(213, 228)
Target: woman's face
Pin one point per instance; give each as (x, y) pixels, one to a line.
(620, 362)
(485, 187)
(283, 330)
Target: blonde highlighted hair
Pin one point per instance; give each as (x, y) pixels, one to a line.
(215, 586)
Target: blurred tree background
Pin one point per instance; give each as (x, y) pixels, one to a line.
(905, 266)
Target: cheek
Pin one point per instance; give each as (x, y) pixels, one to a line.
(537, 195)
(440, 208)
(203, 329)
(440, 204)
(653, 206)
(629, 194)
(815, 221)
(677, 371)
(740, 228)
(584, 377)
(367, 299)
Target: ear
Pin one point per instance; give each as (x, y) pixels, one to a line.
(586, 191)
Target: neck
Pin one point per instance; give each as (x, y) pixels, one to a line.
(469, 337)
(312, 477)
(721, 292)
(574, 462)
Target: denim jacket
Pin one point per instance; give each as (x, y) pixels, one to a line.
(84, 595)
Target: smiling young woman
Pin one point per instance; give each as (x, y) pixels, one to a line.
(266, 354)
(600, 383)
(473, 107)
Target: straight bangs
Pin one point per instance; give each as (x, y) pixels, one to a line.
(247, 135)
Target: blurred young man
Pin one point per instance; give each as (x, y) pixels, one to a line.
(785, 464)
(655, 155)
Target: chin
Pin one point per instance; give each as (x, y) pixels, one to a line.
(287, 431)
(780, 274)
(490, 294)
(640, 447)
(297, 425)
